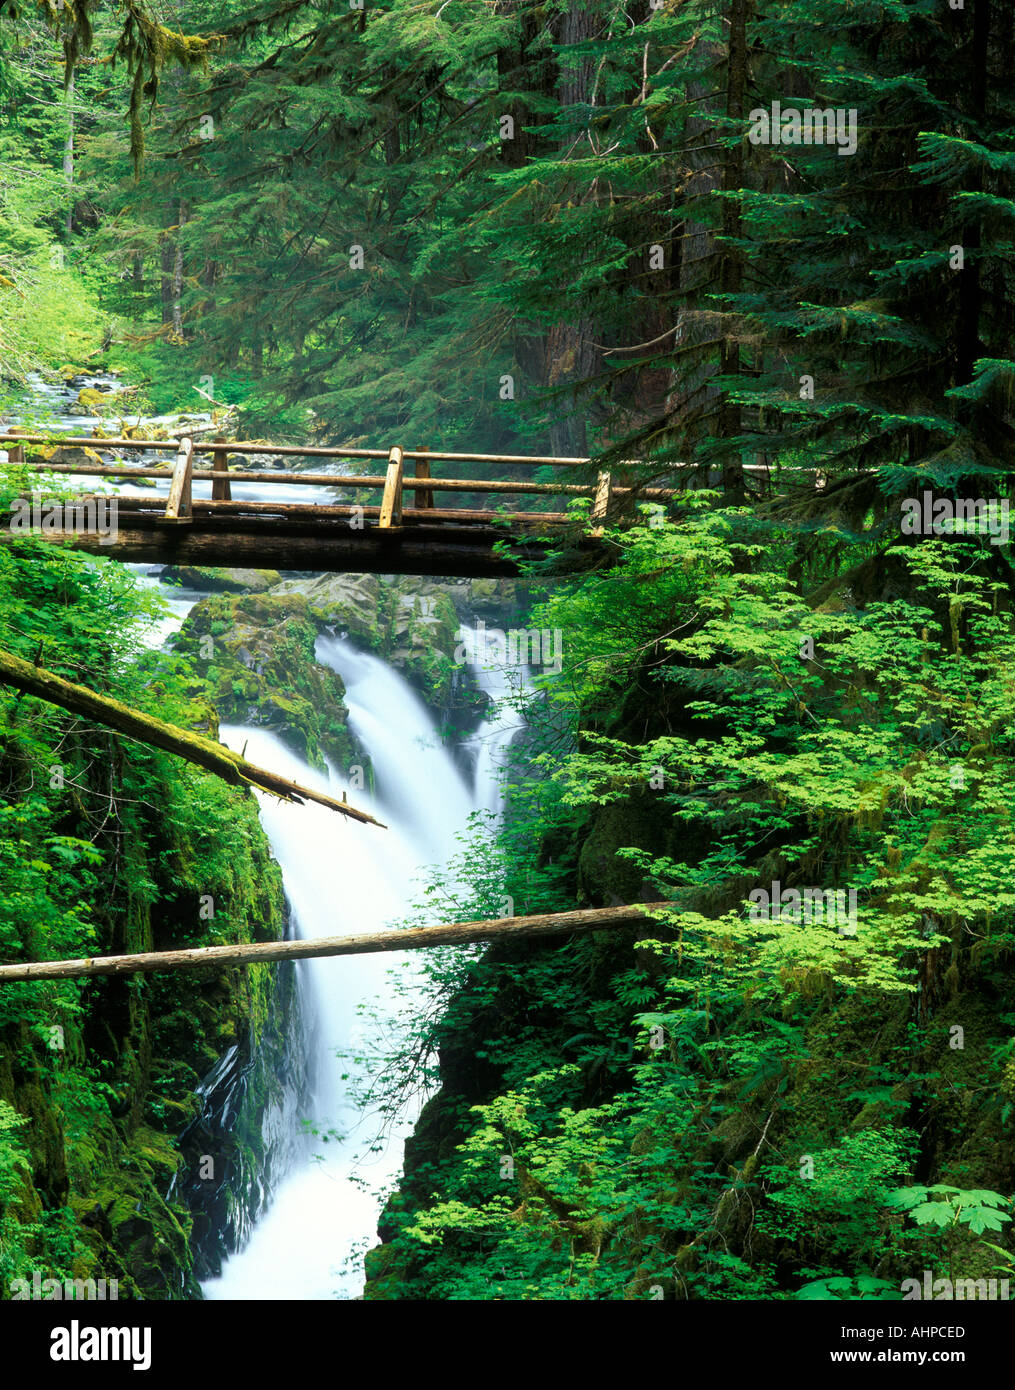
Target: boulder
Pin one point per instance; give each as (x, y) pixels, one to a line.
(348, 603)
(410, 622)
(217, 580)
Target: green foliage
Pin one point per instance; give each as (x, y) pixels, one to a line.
(15, 1232)
(945, 1206)
(761, 686)
(108, 845)
(860, 1287)
(645, 1158)
(48, 313)
(841, 1193)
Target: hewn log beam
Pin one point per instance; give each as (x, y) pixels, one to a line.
(430, 550)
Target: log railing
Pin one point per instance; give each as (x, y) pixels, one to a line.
(181, 506)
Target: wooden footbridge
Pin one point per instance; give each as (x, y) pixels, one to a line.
(389, 535)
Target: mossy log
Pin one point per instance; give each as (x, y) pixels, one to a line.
(213, 757)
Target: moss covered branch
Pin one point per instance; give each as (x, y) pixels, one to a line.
(213, 757)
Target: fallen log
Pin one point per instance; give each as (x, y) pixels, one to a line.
(447, 934)
(145, 728)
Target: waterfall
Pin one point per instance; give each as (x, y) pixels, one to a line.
(344, 878)
(503, 685)
(317, 1204)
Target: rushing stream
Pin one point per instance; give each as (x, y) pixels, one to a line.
(341, 878)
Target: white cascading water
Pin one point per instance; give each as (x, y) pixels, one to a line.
(345, 878)
(503, 685)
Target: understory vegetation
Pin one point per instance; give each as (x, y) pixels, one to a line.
(107, 846)
(734, 1104)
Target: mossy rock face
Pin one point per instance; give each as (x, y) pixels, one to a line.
(43, 1137)
(384, 1273)
(216, 580)
(412, 623)
(257, 654)
(603, 875)
(422, 637)
(104, 1157)
(347, 603)
(96, 1180)
(495, 600)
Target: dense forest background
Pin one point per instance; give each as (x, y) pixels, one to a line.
(544, 227)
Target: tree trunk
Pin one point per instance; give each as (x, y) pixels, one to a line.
(970, 293)
(571, 354)
(731, 271)
(167, 256)
(68, 158)
(171, 258)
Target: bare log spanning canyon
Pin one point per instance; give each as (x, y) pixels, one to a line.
(145, 728)
(450, 934)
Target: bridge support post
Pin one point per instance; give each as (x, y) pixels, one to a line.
(424, 495)
(221, 489)
(179, 507)
(391, 503)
